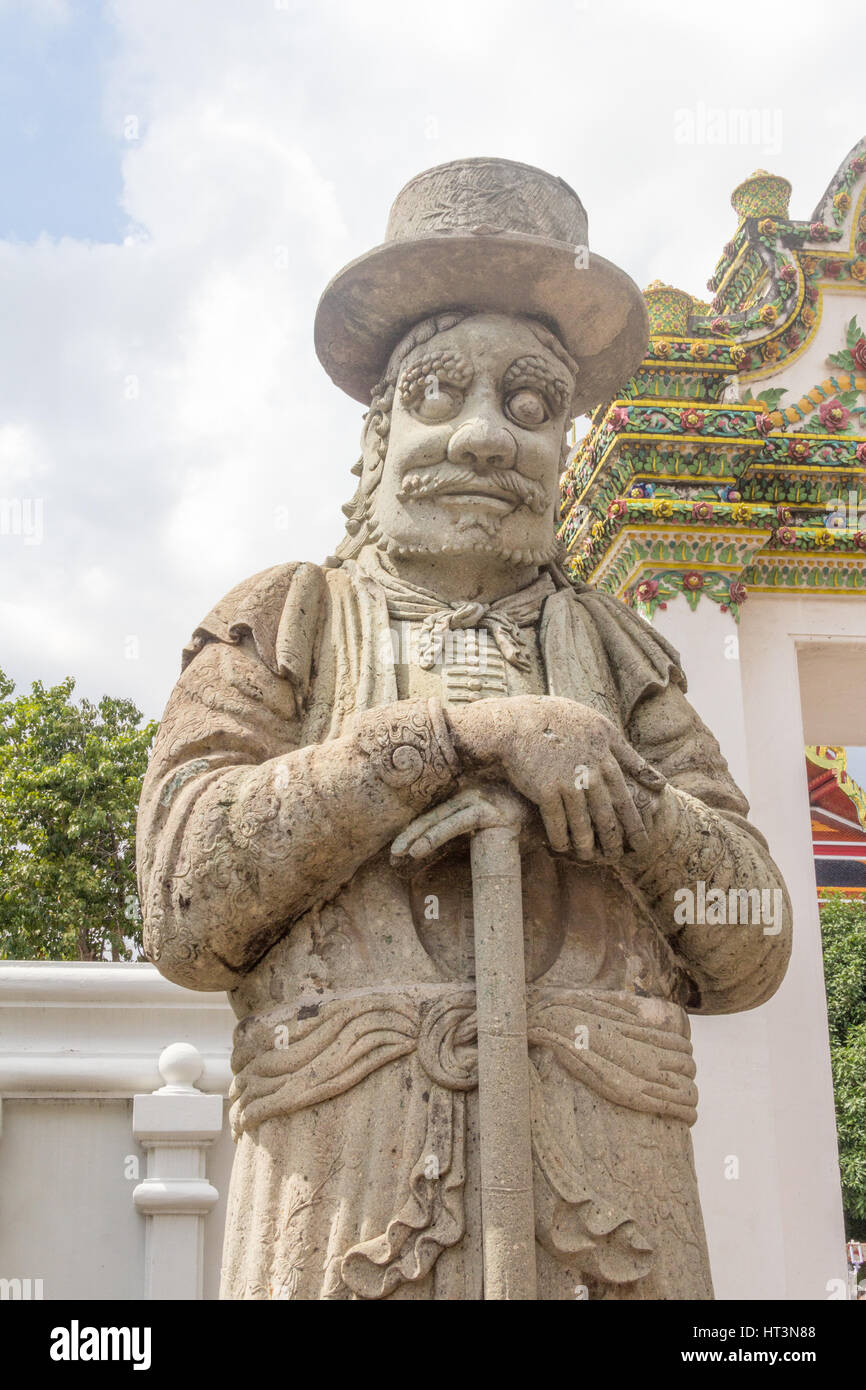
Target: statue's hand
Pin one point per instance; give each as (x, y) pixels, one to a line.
(594, 793)
(473, 808)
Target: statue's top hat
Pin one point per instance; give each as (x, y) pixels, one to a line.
(489, 235)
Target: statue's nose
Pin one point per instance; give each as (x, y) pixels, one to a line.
(483, 446)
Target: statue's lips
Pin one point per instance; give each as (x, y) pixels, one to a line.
(497, 496)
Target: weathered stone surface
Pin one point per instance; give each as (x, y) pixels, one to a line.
(352, 751)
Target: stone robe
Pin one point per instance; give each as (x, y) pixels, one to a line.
(292, 752)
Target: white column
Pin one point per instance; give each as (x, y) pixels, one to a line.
(735, 1136)
(774, 628)
(176, 1124)
(765, 1141)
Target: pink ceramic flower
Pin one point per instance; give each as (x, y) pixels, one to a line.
(646, 590)
(833, 416)
(798, 450)
(692, 420)
(693, 581)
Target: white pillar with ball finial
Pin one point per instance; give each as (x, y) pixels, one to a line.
(176, 1124)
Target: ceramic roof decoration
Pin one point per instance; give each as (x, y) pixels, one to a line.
(735, 457)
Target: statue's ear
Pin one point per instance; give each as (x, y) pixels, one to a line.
(370, 438)
(365, 429)
(374, 445)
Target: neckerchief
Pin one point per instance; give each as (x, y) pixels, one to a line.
(502, 619)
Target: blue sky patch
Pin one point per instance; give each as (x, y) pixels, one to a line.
(60, 163)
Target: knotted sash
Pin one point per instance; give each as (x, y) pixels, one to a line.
(632, 1050)
(502, 619)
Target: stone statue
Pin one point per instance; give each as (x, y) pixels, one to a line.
(340, 733)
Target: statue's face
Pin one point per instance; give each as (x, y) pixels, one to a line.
(474, 450)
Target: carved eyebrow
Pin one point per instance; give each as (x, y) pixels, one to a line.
(448, 363)
(535, 372)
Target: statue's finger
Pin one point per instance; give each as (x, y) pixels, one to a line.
(579, 823)
(460, 823)
(635, 766)
(421, 824)
(553, 815)
(604, 816)
(633, 826)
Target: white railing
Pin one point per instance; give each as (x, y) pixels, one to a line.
(140, 1069)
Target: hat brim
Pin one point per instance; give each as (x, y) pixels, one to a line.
(596, 309)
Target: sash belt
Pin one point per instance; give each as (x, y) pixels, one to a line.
(632, 1050)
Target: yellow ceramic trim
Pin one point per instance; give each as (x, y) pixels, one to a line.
(841, 556)
(726, 368)
(821, 469)
(685, 405)
(679, 478)
(835, 590)
(657, 529)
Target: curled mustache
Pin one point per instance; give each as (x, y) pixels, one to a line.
(448, 477)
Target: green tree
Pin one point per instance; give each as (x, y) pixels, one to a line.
(843, 929)
(70, 778)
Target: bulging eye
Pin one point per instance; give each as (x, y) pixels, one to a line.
(527, 408)
(439, 400)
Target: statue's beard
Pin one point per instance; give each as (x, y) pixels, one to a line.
(469, 536)
(404, 550)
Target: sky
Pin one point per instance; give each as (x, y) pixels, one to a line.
(180, 180)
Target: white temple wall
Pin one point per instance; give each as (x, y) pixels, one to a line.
(775, 1229)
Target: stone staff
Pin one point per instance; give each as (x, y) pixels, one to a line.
(507, 1212)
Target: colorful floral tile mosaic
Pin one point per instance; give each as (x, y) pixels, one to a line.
(689, 484)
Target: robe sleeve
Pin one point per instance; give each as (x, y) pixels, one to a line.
(708, 861)
(242, 827)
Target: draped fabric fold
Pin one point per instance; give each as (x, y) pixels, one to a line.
(634, 1051)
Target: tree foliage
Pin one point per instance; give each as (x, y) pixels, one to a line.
(70, 779)
(843, 928)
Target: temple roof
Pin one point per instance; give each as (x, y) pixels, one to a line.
(735, 458)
